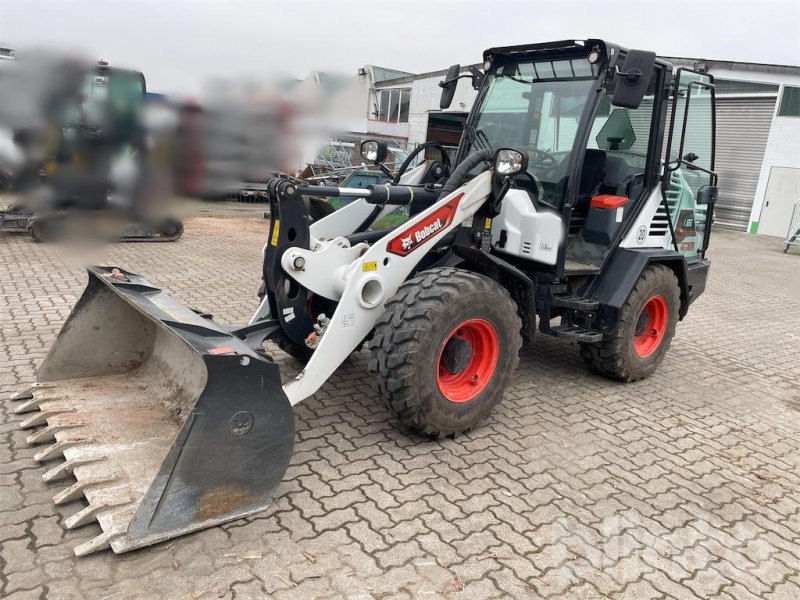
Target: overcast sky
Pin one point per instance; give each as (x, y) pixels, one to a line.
(178, 44)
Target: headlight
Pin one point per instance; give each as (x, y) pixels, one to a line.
(509, 162)
(369, 150)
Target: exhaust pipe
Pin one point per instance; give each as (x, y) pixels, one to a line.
(168, 422)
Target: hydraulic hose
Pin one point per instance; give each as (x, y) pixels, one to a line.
(459, 176)
(415, 153)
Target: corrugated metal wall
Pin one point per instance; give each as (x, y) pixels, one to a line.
(742, 130)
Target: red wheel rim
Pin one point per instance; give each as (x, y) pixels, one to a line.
(467, 383)
(651, 326)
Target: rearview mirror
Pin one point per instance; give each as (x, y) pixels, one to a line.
(449, 86)
(634, 77)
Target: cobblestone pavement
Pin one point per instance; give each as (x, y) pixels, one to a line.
(681, 486)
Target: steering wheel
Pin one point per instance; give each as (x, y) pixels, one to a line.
(542, 158)
(536, 181)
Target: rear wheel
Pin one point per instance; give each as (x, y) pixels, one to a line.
(646, 327)
(171, 228)
(44, 229)
(445, 350)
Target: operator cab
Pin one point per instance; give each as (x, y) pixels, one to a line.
(590, 159)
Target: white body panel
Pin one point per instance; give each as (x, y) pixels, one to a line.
(328, 257)
(530, 234)
(641, 234)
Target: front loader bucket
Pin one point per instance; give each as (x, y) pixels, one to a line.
(168, 422)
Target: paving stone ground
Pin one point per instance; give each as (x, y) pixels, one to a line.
(686, 485)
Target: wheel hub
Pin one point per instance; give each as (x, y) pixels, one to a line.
(642, 323)
(651, 326)
(468, 360)
(457, 354)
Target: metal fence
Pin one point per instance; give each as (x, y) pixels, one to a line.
(793, 235)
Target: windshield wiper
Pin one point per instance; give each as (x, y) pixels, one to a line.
(517, 79)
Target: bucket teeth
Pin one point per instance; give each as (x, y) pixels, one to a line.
(28, 391)
(41, 417)
(58, 449)
(66, 468)
(101, 542)
(76, 490)
(47, 434)
(110, 502)
(32, 404)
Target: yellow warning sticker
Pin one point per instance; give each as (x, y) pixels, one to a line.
(487, 224)
(275, 232)
(369, 265)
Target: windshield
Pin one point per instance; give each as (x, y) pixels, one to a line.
(535, 107)
(111, 94)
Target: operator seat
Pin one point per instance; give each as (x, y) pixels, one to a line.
(592, 175)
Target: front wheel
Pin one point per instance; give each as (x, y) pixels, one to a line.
(646, 326)
(445, 350)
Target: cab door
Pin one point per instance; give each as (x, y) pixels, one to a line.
(690, 182)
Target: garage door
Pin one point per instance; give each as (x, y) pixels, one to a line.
(742, 130)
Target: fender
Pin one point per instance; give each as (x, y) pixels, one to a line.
(519, 285)
(614, 285)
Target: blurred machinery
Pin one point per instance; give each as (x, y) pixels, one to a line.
(85, 154)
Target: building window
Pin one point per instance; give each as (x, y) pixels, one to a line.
(732, 86)
(393, 105)
(790, 102)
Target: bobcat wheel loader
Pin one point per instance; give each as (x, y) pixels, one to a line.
(566, 214)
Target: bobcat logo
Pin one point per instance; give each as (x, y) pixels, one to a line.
(424, 229)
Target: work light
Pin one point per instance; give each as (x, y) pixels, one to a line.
(374, 151)
(369, 150)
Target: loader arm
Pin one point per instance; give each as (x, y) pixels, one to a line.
(348, 218)
(374, 277)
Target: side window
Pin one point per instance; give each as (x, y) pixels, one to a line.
(690, 159)
(623, 135)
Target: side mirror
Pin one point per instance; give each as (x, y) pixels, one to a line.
(449, 86)
(509, 162)
(633, 79)
(707, 194)
(374, 151)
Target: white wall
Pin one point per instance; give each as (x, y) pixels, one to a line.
(783, 149)
(425, 94)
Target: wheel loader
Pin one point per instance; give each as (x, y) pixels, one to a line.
(85, 167)
(578, 206)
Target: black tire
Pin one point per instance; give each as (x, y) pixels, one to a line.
(171, 229)
(43, 230)
(616, 356)
(409, 342)
(300, 353)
